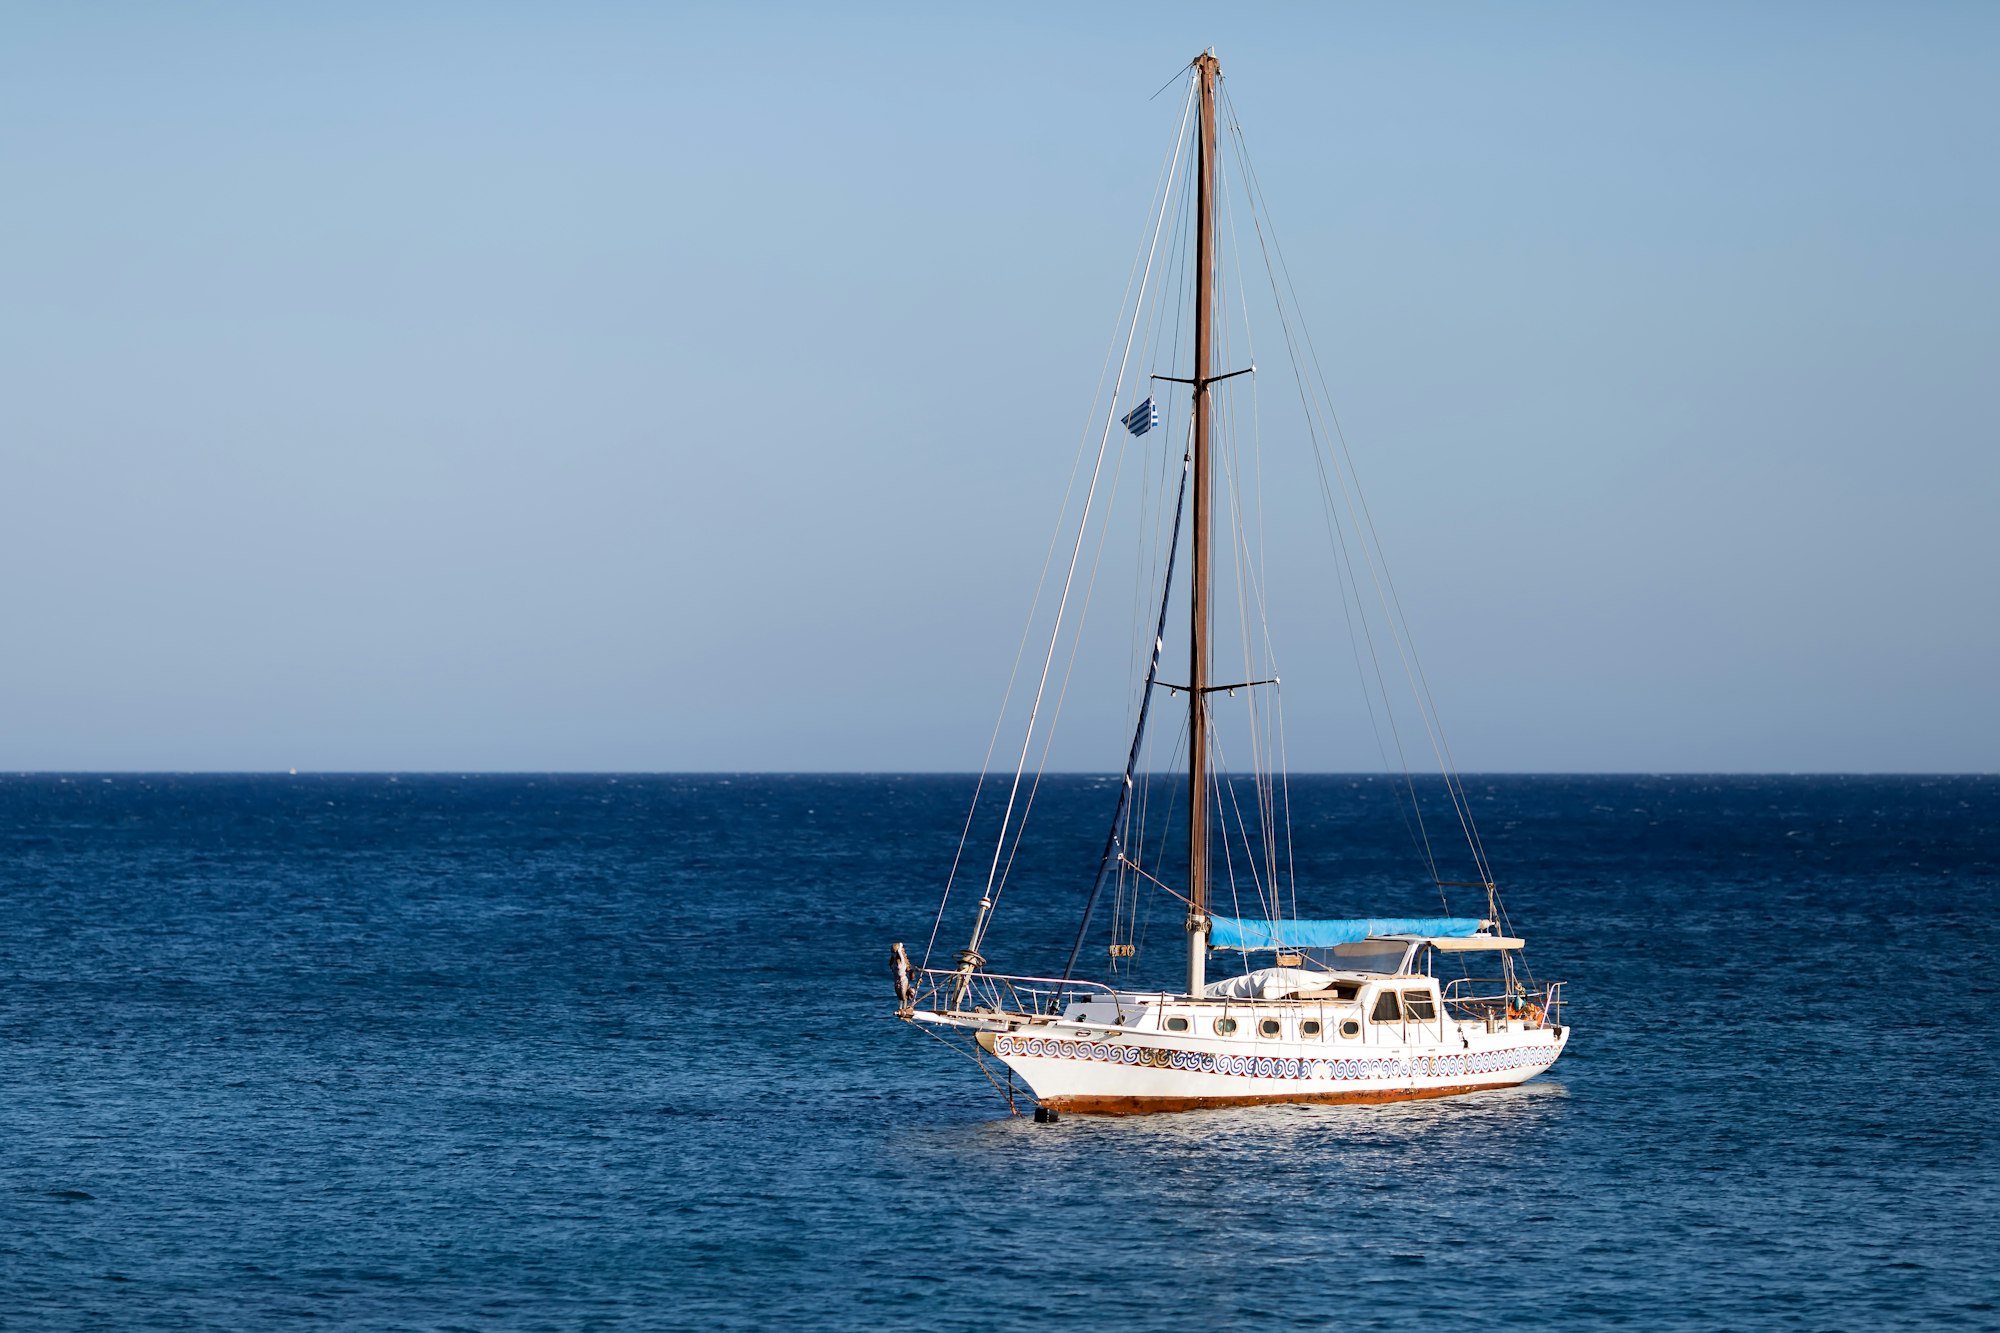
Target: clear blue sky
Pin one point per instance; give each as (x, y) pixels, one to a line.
(630, 387)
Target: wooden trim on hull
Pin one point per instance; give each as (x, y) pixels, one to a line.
(1147, 1105)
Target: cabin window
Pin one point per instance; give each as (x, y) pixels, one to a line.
(1350, 1028)
(1386, 1009)
(1309, 1028)
(1370, 956)
(1224, 1026)
(1177, 1024)
(1417, 1004)
(1269, 1027)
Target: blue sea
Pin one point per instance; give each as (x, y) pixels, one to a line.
(440, 1052)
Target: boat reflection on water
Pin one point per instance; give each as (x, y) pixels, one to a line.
(1512, 1114)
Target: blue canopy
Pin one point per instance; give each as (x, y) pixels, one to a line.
(1228, 932)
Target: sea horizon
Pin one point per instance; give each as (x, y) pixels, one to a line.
(1466, 775)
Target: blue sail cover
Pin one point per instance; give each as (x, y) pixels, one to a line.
(1228, 932)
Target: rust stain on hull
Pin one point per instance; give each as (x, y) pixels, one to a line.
(1147, 1105)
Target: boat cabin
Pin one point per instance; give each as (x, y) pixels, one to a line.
(1380, 988)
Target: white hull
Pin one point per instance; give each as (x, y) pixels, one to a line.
(1073, 1068)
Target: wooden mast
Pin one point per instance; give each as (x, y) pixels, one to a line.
(1206, 71)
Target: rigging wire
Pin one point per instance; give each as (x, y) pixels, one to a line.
(1395, 619)
(1271, 874)
(1344, 561)
(1112, 844)
(988, 901)
(1163, 191)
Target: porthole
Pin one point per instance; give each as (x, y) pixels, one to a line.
(1269, 1027)
(1224, 1026)
(1177, 1024)
(1350, 1029)
(1309, 1028)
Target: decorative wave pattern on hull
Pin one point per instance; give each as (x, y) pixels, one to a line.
(1276, 1067)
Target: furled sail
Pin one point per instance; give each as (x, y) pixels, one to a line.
(1230, 932)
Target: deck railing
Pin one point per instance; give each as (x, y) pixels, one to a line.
(1478, 999)
(1491, 1000)
(945, 992)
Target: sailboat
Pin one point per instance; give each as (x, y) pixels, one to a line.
(1313, 1009)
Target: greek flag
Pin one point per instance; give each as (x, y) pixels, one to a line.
(1143, 417)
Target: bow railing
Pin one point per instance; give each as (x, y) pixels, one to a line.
(978, 994)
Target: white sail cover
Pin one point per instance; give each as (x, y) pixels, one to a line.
(1269, 983)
